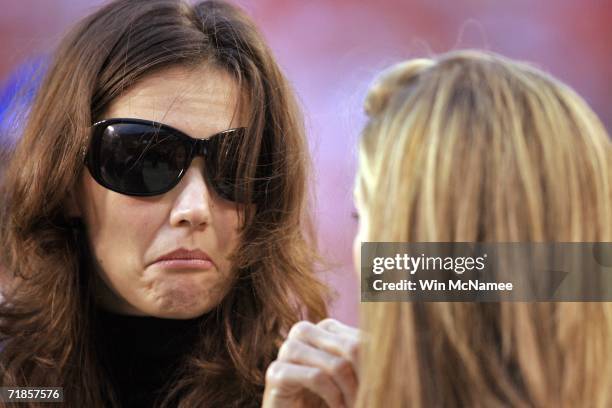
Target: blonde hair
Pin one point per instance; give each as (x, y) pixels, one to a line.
(474, 147)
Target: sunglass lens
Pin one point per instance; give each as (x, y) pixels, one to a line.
(223, 165)
(140, 159)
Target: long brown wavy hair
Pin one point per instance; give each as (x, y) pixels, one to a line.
(474, 147)
(46, 318)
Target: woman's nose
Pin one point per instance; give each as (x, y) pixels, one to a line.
(193, 201)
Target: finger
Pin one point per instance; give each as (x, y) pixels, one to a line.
(336, 326)
(340, 369)
(337, 339)
(343, 343)
(284, 380)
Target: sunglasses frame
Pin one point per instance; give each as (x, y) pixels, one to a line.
(196, 147)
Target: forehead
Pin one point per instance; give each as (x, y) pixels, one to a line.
(199, 101)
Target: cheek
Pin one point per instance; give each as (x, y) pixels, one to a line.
(120, 228)
(226, 227)
(227, 241)
(360, 237)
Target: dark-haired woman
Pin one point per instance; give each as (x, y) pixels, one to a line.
(153, 214)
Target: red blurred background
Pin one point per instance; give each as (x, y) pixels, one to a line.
(331, 49)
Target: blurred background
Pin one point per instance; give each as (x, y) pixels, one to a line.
(331, 49)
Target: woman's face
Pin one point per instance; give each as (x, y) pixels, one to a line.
(128, 234)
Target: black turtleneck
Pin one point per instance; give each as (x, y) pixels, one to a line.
(141, 354)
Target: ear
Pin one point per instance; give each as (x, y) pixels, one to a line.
(71, 206)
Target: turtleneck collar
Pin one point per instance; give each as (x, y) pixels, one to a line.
(141, 353)
(147, 334)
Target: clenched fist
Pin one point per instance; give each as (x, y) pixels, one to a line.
(319, 359)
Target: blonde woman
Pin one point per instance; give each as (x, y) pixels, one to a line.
(475, 147)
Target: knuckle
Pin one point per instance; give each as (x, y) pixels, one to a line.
(340, 367)
(286, 349)
(317, 377)
(274, 373)
(299, 329)
(327, 323)
(352, 348)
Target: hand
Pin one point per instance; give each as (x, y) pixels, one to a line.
(319, 359)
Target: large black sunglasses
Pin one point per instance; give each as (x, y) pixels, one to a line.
(145, 158)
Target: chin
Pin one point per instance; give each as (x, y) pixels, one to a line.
(175, 307)
(179, 314)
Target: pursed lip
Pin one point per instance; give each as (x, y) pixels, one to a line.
(185, 258)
